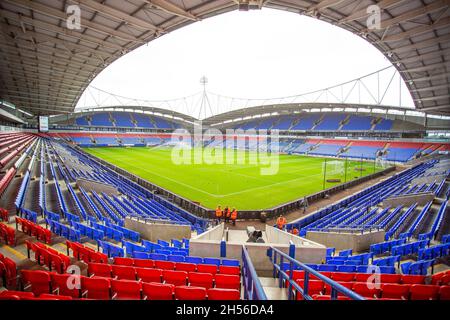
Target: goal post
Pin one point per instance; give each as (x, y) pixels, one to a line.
(381, 163)
(334, 167)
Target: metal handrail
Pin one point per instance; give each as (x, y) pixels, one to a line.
(253, 289)
(335, 287)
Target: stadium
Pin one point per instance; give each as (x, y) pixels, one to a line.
(292, 198)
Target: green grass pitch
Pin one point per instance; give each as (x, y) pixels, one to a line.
(236, 185)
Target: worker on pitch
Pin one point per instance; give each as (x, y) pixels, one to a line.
(219, 214)
(234, 216)
(226, 214)
(281, 221)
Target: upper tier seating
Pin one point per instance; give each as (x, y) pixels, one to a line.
(122, 119)
(330, 122)
(358, 123)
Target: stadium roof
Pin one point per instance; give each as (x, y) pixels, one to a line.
(45, 67)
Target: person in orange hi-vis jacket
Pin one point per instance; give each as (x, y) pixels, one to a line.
(281, 221)
(234, 216)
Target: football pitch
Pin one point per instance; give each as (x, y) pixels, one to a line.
(239, 185)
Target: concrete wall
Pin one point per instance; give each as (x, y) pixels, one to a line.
(341, 241)
(215, 233)
(275, 235)
(408, 200)
(155, 231)
(91, 185)
(208, 245)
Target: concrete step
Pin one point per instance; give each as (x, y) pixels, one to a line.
(273, 292)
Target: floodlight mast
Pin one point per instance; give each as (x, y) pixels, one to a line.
(205, 100)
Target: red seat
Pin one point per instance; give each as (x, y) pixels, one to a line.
(445, 280)
(31, 247)
(390, 278)
(74, 246)
(100, 270)
(227, 281)
(229, 270)
(58, 262)
(184, 266)
(126, 289)
(96, 288)
(177, 278)
(424, 292)
(85, 254)
(395, 291)
(97, 257)
(190, 293)
(124, 272)
(61, 282)
(47, 296)
(348, 285)
(343, 276)
(444, 293)
(44, 235)
(314, 287)
(328, 297)
(43, 255)
(363, 289)
(17, 295)
(37, 281)
(412, 279)
(166, 265)
(11, 272)
(157, 291)
(362, 277)
(123, 261)
(149, 275)
(223, 294)
(144, 263)
(198, 279)
(207, 268)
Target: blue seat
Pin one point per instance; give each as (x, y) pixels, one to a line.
(335, 262)
(166, 252)
(313, 266)
(361, 269)
(405, 267)
(140, 255)
(330, 252)
(345, 253)
(157, 256)
(346, 268)
(353, 262)
(192, 259)
(163, 243)
(148, 245)
(230, 262)
(326, 267)
(176, 243)
(175, 258)
(387, 269)
(97, 234)
(74, 235)
(215, 261)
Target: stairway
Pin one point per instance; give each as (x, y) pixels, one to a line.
(313, 147)
(317, 122)
(375, 121)
(344, 149)
(344, 122)
(272, 290)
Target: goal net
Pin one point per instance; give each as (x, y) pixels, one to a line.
(334, 167)
(381, 163)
